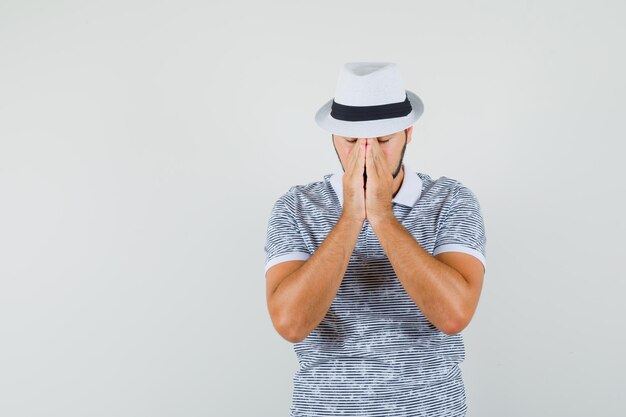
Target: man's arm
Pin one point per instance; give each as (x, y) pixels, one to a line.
(302, 299)
(447, 297)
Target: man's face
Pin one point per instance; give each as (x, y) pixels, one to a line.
(392, 147)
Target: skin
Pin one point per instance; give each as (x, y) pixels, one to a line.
(388, 151)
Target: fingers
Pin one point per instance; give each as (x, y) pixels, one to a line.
(355, 167)
(361, 159)
(349, 167)
(357, 160)
(372, 157)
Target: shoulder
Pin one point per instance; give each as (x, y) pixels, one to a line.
(307, 190)
(450, 185)
(304, 194)
(442, 187)
(447, 190)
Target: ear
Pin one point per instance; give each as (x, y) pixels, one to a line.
(409, 132)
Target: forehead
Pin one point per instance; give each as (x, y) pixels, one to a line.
(379, 137)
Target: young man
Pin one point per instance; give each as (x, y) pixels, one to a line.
(373, 272)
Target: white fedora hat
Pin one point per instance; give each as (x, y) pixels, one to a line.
(370, 101)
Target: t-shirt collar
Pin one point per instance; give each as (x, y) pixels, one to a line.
(408, 194)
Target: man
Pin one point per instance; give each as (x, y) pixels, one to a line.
(373, 272)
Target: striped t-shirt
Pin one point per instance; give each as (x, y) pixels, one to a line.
(375, 353)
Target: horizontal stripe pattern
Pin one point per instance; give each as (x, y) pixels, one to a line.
(375, 353)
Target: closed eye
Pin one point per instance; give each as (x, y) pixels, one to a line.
(380, 141)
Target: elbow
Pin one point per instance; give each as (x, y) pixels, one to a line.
(453, 328)
(292, 335)
(289, 331)
(285, 324)
(293, 338)
(456, 324)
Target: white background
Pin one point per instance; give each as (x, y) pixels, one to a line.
(143, 144)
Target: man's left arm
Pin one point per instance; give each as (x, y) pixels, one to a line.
(445, 287)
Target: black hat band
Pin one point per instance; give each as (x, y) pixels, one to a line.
(381, 111)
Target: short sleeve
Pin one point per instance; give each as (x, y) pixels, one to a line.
(284, 240)
(462, 228)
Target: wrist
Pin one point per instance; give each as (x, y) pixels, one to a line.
(377, 219)
(352, 220)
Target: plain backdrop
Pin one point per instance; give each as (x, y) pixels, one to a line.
(143, 144)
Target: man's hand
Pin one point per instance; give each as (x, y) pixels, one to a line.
(353, 183)
(379, 190)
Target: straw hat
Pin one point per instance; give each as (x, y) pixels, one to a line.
(370, 101)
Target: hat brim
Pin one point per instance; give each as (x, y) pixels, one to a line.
(369, 128)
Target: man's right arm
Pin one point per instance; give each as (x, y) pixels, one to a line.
(299, 300)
